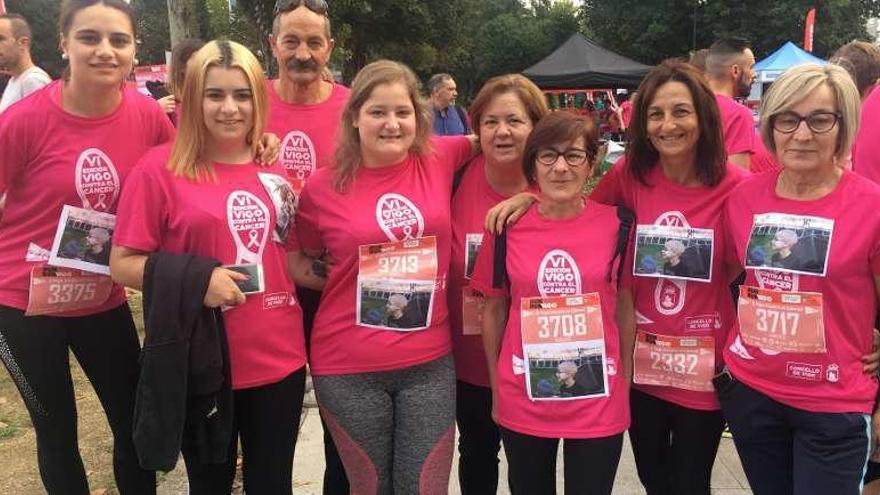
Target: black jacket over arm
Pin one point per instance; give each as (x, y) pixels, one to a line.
(185, 379)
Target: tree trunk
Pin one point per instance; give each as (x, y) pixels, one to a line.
(182, 20)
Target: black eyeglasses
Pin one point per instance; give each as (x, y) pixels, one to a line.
(316, 6)
(573, 157)
(818, 122)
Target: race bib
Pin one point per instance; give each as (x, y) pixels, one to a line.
(83, 240)
(790, 243)
(673, 252)
(781, 321)
(564, 347)
(58, 290)
(680, 362)
(395, 284)
(472, 304)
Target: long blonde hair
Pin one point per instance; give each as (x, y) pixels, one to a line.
(188, 153)
(348, 151)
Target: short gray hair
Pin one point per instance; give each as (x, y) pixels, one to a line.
(799, 82)
(438, 80)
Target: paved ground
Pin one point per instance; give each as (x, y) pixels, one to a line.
(727, 478)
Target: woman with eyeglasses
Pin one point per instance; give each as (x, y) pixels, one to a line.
(795, 394)
(550, 329)
(504, 113)
(64, 155)
(675, 178)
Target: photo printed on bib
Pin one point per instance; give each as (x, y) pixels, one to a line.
(790, 243)
(673, 252)
(298, 155)
(472, 245)
(399, 218)
(284, 199)
(83, 240)
(97, 182)
(249, 222)
(563, 342)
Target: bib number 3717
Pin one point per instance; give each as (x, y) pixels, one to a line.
(781, 321)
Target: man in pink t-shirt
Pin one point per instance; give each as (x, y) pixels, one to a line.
(862, 60)
(729, 70)
(304, 111)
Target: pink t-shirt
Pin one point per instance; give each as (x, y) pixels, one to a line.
(820, 382)
(50, 158)
(738, 125)
(469, 206)
(408, 200)
(308, 133)
(866, 148)
(678, 307)
(163, 212)
(762, 159)
(588, 243)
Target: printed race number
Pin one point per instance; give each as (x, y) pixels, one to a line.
(399, 264)
(781, 321)
(57, 290)
(673, 361)
(72, 292)
(565, 325)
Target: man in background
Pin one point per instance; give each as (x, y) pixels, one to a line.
(449, 119)
(729, 70)
(15, 60)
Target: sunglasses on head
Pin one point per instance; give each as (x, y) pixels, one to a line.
(316, 6)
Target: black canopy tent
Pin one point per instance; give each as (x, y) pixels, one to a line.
(581, 64)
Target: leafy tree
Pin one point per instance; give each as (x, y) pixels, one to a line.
(650, 31)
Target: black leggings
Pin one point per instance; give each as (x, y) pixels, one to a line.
(35, 350)
(674, 446)
(479, 440)
(590, 463)
(267, 419)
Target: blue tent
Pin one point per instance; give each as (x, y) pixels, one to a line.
(788, 55)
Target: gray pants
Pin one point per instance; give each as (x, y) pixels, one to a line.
(394, 429)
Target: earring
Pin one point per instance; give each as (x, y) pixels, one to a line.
(135, 61)
(64, 56)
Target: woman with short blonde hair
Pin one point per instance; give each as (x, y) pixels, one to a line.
(794, 394)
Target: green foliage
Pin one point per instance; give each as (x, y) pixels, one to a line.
(652, 30)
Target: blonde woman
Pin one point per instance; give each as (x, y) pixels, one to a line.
(795, 394)
(206, 196)
(384, 376)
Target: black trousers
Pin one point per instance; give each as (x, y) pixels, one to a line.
(335, 479)
(479, 440)
(674, 446)
(267, 421)
(35, 350)
(786, 451)
(590, 464)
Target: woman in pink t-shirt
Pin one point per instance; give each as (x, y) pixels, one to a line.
(64, 153)
(556, 368)
(676, 179)
(795, 394)
(205, 196)
(380, 347)
(503, 114)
